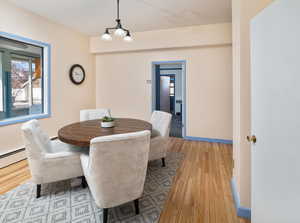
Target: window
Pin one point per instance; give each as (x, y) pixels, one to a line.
(24, 79)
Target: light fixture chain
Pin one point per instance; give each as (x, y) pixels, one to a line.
(118, 10)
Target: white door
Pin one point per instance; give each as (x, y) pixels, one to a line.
(275, 37)
(165, 93)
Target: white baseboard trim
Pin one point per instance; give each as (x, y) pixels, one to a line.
(12, 158)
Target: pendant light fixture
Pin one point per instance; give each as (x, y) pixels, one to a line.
(118, 29)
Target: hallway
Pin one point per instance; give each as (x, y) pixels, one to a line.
(176, 126)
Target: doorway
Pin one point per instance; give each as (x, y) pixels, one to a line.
(168, 93)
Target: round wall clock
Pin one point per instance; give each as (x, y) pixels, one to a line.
(77, 74)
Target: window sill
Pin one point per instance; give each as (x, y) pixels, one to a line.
(12, 121)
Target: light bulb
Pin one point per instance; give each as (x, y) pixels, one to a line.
(128, 38)
(120, 32)
(106, 36)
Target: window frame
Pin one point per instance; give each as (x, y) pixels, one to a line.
(46, 82)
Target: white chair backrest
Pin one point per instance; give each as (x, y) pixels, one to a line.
(37, 141)
(161, 122)
(118, 166)
(90, 114)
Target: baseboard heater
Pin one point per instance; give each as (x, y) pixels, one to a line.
(14, 156)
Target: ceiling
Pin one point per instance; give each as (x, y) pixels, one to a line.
(93, 16)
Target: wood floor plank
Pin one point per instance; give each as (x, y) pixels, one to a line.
(200, 192)
(201, 189)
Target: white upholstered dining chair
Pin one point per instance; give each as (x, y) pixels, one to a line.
(115, 169)
(49, 161)
(90, 114)
(161, 122)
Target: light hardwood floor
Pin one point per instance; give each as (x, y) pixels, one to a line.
(200, 192)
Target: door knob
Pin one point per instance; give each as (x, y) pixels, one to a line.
(252, 139)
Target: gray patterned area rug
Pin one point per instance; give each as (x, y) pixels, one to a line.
(61, 203)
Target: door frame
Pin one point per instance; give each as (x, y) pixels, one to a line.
(183, 89)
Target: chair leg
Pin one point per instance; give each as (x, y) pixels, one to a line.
(38, 190)
(163, 162)
(83, 182)
(136, 205)
(105, 215)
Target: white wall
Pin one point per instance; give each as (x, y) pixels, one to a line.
(121, 81)
(184, 37)
(68, 47)
(243, 12)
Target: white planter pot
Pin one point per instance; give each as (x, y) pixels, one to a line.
(107, 124)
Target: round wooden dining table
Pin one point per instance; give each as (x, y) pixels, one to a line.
(81, 133)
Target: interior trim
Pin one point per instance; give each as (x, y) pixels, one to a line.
(224, 141)
(241, 211)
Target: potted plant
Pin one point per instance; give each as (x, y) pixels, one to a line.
(107, 122)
